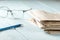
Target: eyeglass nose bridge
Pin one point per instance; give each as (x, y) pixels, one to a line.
(10, 12)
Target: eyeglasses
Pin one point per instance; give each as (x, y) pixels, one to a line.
(5, 12)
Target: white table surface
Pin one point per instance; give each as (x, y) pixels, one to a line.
(27, 32)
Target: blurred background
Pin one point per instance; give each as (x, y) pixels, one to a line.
(28, 31)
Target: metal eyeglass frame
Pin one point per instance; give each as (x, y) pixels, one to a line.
(11, 11)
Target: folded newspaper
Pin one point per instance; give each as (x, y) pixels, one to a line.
(50, 22)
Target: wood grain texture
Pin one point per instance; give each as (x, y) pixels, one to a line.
(53, 32)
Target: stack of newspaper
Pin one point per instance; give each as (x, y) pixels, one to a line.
(49, 22)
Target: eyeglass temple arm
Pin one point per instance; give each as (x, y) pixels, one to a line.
(26, 10)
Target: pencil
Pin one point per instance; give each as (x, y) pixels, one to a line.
(10, 27)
